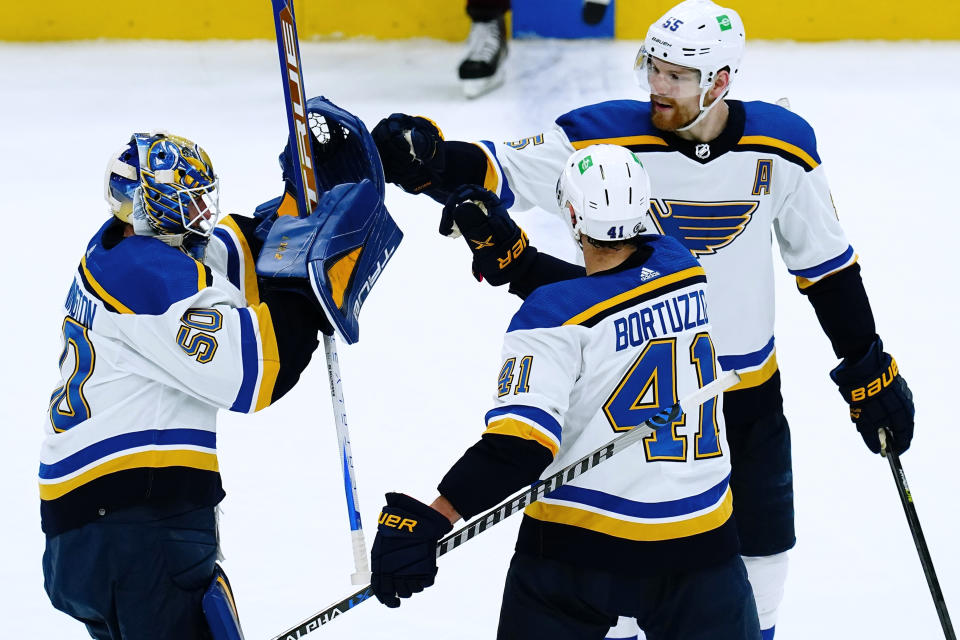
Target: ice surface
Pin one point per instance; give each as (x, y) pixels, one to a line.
(418, 382)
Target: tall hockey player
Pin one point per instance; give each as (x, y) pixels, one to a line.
(648, 533)
(725, 173)
(166, 322)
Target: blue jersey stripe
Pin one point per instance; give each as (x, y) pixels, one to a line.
(251, 367)
(635, 509)
(534, 414)
(825, 267)
(162, 437)
(506, 194)
(747, 360)
(233, 256)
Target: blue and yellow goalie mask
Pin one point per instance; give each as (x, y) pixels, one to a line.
(179, 189)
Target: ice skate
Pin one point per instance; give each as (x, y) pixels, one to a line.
(482, 69)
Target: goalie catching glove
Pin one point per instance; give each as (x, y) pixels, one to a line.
(404, 556)
(501, 250)
(878, 397)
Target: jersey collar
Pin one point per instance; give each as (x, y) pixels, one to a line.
(704, 152)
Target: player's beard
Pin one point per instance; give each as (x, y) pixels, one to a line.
(678, 115)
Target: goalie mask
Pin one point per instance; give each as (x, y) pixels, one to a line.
(696, 39)
(606, 192)
(179, 190)
(121, 180)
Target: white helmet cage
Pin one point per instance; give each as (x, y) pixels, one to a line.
(698, 34)
(606, 191)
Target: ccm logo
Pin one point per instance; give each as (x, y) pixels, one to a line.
(395, 522)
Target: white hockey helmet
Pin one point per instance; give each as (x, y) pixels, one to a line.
(606, 191)
(697, 34)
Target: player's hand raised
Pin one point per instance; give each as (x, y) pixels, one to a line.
(500, 248)
(411, 149)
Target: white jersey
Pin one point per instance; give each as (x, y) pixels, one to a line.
(589, 358)
(155, 343)
(720, 199)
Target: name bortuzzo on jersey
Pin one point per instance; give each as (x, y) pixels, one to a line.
(588, 358)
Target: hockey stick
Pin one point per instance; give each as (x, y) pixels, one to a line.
(307, 198)
(906, 499)
(531, 495)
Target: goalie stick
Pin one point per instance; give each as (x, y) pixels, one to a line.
(531, 495)
(307, 198)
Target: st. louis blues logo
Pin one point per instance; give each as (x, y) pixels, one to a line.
(702, 227)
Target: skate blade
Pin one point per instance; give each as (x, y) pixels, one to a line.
(476, 87)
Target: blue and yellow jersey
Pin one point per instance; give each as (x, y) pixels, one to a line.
(587, 359)
(721, 200)
(154, 344)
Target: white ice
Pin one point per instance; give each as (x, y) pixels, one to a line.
(422, 376)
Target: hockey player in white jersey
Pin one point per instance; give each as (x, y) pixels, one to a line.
(166, 322)
(727, 176)
(648, 533)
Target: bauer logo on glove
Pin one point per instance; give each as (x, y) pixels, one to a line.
(876, 385)
(396, 522)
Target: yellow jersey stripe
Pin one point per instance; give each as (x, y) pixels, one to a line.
(757, 377)
(269, 356)
(643, 289)
(155, 458)
(116, 304)
(201, 276)
(780, 144)
(250, 289)
(492, 178)
(623, 141)
(226, 589)
(638, 531)
(519, 429)
(803, 283)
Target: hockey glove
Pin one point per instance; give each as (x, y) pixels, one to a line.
(404, 556)
(411, 149)
(501, 250)
(878, 397)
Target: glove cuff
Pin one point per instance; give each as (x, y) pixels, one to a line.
(424, 515)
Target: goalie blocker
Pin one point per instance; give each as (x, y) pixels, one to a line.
(335, 255)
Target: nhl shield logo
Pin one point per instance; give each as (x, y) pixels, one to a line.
(702, 151)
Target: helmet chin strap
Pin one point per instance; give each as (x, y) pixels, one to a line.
(704, 110)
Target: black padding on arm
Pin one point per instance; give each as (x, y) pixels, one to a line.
(843, 310)
(544, 269)
(492, 470)
(296, 321)
(465, 163)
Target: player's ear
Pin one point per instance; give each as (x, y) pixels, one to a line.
(720, 84)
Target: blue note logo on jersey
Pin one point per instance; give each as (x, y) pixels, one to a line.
(702, 227)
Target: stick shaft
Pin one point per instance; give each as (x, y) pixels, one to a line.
(288, 47)
(529, 496)
(913, 520)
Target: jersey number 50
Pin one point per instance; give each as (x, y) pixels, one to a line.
(651, 385)
(68, 406)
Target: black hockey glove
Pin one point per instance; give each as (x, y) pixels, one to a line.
(411, 149)
(878, 397)
(501, 250)
(404, 556)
